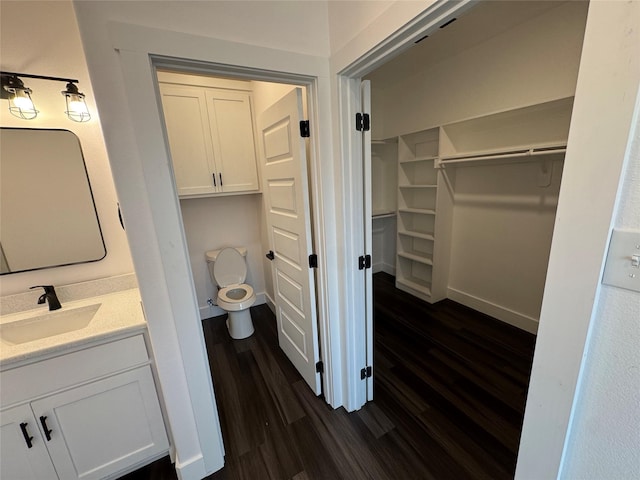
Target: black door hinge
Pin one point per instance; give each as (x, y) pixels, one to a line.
(304, 128)
(320, 367)
(364, 261)
(313, 261)
(365, 373)
(363, 122)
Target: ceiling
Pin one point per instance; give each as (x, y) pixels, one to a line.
(482, 22)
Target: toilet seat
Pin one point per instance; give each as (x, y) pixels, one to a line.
(236, 297)
(230, 272)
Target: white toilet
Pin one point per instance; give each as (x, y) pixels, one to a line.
(228, 270)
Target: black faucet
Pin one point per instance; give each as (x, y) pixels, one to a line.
(50, 295)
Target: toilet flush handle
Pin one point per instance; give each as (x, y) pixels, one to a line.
(270, 255)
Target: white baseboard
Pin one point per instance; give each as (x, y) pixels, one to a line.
(390, 269)
(384, 267)
(269, 301)
(192, 469)
(507, 315)
(215, 311)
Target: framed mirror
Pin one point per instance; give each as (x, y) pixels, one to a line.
(48, 215)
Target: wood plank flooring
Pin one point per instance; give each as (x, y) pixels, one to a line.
(450, 387)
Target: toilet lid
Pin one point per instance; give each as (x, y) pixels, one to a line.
(230, 268)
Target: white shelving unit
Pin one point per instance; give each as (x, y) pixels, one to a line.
(535, 132)
(384, 181)
(384, 177)
(417, 201)
(427, 165)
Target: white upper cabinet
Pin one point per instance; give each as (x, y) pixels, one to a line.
(231, 127)
(211, 138)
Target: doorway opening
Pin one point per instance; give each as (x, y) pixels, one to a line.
(243, 165)
(467, 149)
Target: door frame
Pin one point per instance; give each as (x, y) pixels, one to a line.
(359, 304)
(607, 96)
(139, 156)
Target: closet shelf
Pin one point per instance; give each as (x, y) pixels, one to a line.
(427, 260)
(384, 214)
(425, 158)
(388, 141)
(421, 211)
(423, 236)
(424, 185)
(415, 284)
(524, 154)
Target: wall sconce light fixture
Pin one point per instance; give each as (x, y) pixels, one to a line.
(21, 105)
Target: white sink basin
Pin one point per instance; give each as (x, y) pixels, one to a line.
(47, 324)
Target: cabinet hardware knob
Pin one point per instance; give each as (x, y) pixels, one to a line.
(220, 174)
(47, 431)
(25, 434)
(214, 179)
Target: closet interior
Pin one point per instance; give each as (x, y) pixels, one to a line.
(470, 127)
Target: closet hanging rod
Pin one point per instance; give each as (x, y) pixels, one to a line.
(522, 155)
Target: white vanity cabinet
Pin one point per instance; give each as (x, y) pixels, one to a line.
(93, 413)
(23, 452)
(211, 138)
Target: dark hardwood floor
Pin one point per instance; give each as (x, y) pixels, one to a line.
(450, 387)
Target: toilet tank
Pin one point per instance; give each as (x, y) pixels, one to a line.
(211, 255)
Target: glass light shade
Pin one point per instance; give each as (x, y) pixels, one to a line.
(76, 106)
(21, 105)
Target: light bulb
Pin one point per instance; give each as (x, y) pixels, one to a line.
(77, 105)
(23, 101)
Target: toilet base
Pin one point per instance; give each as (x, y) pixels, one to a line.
(240, 324)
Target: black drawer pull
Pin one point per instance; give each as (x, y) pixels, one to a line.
(47, 432)
(25, 434)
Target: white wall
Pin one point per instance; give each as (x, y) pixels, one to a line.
(359, 26)
(501, 237)
(51, 45)
(533, 62)
(579, 379)
(604, 441)
(383, 248)
(348, 19)
(208, 226)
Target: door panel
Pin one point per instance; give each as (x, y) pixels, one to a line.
(232, 133)
(365, 91)
(185, 114)
(102, 427)
(18, 460)
(289, 227)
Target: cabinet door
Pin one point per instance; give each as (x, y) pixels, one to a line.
(233, 140)
(187, 122)
(18, 460)
(105, 426)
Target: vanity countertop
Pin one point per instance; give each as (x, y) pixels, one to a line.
(119, 313)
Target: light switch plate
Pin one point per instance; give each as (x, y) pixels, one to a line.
(619, 269)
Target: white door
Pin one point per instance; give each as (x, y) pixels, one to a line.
(23, 454)
(286, 197)
(102, 427)
(232, 135)
(365, 97)
(187, 121)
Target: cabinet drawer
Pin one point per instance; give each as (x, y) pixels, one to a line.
(30, 381)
